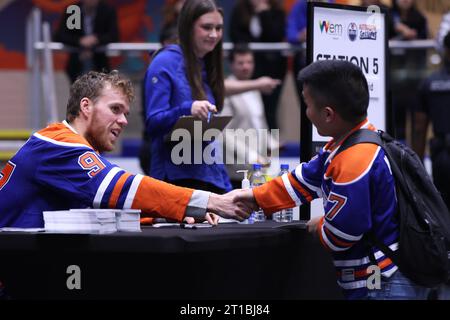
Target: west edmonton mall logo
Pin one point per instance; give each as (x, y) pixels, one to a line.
(332, 29)
(352, 31)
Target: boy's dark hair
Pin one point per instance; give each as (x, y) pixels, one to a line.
(241, 48)
(91, 84)
(338, 84)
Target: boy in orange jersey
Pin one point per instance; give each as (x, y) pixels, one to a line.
(356, 185)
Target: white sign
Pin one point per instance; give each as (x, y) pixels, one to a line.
(358, 37)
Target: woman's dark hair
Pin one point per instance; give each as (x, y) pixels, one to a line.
(191, 11)
(338, 84)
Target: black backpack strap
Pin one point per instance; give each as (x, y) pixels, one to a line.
(372, 240)
(370, 136)
(361, 136)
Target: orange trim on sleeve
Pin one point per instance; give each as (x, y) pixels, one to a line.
(337, 241)
(319, 231)
(117, 190)
(363, 273)
(272, 196)
(383, 264)
(147, 220)
(298, 187)
(161, 199)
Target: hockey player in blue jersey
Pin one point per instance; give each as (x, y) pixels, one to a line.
(60, 167)
(356, 185)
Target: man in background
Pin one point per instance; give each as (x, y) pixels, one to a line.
(98, 28)
(247, 110)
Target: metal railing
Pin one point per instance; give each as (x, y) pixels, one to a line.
(33, 35)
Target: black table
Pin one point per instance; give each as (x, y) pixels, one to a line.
(231, 261)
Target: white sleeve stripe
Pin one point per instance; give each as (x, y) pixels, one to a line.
(331, 155)
(389, 272)
(298, 174)
(351, 263)
(132, 192)
(341, 234)
(365, 260)
(290, 189)
(393, 247)
(388, 164)
(60, 143)
(329, 244)
(365, 125)
(103, 186)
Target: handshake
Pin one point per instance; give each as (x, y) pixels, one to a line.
(237, 204)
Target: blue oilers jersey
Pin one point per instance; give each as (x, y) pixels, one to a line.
(358, 192)
(57, 169)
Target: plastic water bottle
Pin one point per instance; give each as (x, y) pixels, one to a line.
(245, 184)
(257, 180)
(285, 215)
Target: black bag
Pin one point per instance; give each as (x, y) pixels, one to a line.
(424, 219)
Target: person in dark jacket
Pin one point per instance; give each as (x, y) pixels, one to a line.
(262, 21)
(434, 107)
(407, 67)
(98, 28)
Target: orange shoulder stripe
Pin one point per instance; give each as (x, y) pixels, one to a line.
(299, 188)
(61, 133)
(351, 163)
(272, 196)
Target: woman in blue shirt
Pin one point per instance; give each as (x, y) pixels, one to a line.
(187, 79)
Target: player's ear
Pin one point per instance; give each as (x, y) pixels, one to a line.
(329, 114)
(85, 106)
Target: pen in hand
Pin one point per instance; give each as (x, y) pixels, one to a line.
(203, 110)
(208, 120)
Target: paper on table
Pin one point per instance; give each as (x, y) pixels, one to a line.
(224, 220)
(166, 225)
(10, 229)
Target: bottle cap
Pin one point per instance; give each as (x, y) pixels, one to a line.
(257, 166)
(284, 166)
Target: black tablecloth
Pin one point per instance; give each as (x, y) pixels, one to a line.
(231, 261)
